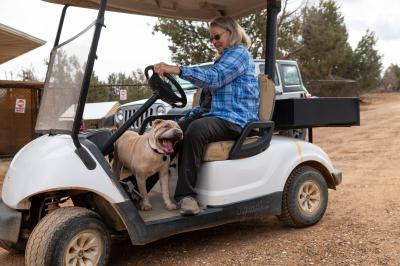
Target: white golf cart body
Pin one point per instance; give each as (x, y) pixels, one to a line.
(62, 164)
(50, 163)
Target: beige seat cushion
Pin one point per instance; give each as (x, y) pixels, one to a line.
(218, 151)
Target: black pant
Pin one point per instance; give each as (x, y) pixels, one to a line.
(197, 134)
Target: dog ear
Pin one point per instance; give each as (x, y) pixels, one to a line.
(157, 121)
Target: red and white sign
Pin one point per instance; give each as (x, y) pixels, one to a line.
(123, 94)
(20, 105)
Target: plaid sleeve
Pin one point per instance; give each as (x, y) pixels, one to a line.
(231, 65)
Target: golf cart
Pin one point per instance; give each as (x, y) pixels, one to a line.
(60, 201)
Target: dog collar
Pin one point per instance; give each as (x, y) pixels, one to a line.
(164, 156)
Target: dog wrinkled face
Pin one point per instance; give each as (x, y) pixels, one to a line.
(166, 134)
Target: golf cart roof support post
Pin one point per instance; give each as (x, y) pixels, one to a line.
(107, 146)
(88, 74)
(271, 36)
(60, 25)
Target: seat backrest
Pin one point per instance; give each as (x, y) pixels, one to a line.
(196, 98)
(267, 98)
(218, 151)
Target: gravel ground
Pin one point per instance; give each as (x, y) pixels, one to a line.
(361, 225)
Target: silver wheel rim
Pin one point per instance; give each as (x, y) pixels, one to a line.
(84, 249)
(309, 198)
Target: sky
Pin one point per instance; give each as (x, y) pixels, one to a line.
(140, 48)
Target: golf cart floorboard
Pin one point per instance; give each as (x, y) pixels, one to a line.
(159, 211)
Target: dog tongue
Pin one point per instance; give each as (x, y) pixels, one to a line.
(168, 146)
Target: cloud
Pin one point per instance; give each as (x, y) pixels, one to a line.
(387, 29)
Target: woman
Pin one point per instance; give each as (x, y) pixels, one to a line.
(235, 94)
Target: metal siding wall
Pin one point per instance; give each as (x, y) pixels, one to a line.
(5, 123)
(16, 128)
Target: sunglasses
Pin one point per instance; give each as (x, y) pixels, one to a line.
(216, 37)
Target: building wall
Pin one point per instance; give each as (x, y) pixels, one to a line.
(17, 123)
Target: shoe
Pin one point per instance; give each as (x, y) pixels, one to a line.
(189, 206)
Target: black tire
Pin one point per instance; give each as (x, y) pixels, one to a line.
(14, 248)
(70, 233)
(305, 197)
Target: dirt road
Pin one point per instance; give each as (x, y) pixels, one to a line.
(360, 227)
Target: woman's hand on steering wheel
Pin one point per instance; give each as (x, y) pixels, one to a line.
(165, 91)
(162, 68)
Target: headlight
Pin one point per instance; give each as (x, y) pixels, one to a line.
(160, 110)
(120, 115)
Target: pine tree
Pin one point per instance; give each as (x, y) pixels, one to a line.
(324, 45)
(135, 84)
(190, 40)
(367, 62)
(391, 78)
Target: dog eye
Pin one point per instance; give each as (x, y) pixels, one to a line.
(167, 126)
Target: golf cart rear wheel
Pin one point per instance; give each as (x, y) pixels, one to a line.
(305, 197)
(14, 248)
(69, 236)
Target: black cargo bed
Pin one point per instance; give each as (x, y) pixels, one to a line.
(316, 112)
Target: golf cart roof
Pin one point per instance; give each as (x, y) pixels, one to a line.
(178, 9)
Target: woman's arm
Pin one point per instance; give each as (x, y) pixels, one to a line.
(232, 64)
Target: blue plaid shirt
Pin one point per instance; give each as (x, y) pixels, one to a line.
(233, 84)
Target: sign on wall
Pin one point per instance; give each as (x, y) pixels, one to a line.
(20, 105)
(123, 94)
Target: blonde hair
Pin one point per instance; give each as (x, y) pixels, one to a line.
(238, 35)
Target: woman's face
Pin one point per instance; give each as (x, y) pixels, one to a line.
(220, 38)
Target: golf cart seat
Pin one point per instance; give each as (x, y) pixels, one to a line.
(255, 137)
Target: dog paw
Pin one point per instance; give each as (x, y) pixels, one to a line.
(171, 206)
(146, 207)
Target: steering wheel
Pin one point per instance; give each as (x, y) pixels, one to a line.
(165, 91)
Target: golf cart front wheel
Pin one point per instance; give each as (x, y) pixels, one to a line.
(69, 236)
(305, 197)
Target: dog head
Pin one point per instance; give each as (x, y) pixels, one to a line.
(164, 134)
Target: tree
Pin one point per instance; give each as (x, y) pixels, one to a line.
(324, 41)
(391, 78)
(367, 62)
(190, 45)
(345, 69)
(96, 93)
(27, 74)
(289, 32)
(188, 39)
(135, 84)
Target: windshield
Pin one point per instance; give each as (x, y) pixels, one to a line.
(63, 83)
